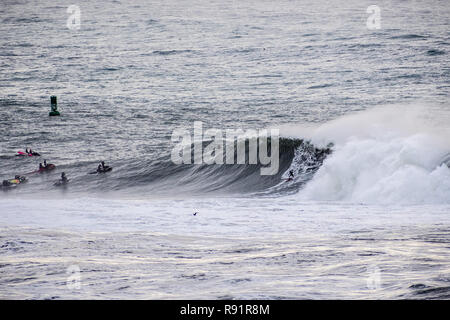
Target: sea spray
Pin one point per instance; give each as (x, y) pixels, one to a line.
(386, 155)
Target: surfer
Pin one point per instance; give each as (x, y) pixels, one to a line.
(102, 168)
(291, 174)
(14, 182)
(28, 152)
(41, 167)
(45, 163)
(20, 178)
(64, 179)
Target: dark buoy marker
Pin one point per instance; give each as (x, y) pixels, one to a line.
(54, 107)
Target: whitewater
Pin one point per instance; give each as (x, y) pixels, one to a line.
(395, 154)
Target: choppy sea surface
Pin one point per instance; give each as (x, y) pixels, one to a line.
(364, 121)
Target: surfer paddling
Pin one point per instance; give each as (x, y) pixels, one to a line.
(102, 168)
(63, 181)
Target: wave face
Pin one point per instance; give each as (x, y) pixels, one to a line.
(298, 155)
(387, 155)
(161, 177)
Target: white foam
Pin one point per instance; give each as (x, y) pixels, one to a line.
(387, 155)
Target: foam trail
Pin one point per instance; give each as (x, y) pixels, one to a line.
(387, 155)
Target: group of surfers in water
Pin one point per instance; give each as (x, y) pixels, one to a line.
(18, 179)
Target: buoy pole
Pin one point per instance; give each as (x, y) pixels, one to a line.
(54, 107)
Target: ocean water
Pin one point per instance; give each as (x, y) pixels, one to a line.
(364, 123)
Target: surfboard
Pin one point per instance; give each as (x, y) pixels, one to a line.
(60, 183)
(49, 167)
(107, 169)
(24, 154)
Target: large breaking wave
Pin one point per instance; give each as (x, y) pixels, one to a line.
(295, 154)
(386, 155)
(395, 154)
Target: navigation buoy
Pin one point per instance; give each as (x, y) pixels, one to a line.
(54, 107)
